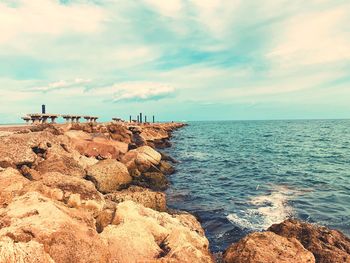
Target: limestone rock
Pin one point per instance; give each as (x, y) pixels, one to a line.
(143, 196)
(11, 183)
(77, 192)
(328, 246)
(153, 237)
(68, 235)
(141, 159)
(109, 175)
(61, 164)
(23, 252)
(267, 247)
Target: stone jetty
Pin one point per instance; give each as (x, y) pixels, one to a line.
(94, 192)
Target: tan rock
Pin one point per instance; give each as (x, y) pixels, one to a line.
(152, 237)
(23, 252)
(267, 247)
(328, 246)
(142, 159)
(11, 184)
(109, 175)
(68, 235)
(166, 168)
(61, 164)
(143, 196)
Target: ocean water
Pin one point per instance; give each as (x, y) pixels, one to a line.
(243, 176)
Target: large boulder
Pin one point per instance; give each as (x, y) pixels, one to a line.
(328, 246)
(109, 175)
(96, 145)
(267, 247)
(140, 195)
(61, 164)
(68, 235)
(153, 237)
(141, 159)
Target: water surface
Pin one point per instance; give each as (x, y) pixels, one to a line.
(243, 176)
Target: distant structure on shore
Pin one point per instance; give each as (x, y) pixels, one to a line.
(43, 117)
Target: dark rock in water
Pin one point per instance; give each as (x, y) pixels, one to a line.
(328, 246)
(267, 247)
(166, 157)
(166, 168)
(154, 180)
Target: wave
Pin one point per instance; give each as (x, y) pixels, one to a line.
(265, 210)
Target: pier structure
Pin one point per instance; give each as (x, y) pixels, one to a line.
(117, 120)
(90, 119)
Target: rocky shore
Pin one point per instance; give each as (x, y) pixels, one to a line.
(94, 193)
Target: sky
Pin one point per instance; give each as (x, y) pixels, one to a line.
(175, 59)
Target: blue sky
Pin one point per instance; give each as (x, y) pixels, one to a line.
(176, 59)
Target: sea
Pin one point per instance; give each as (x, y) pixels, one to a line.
(237, 177)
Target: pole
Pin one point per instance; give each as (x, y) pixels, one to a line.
(153, 118)
(43, 110)
(140, 117)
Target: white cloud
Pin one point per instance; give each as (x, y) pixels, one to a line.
(47, 17)
(61, 84)
(314, 38)
(168, 8)
(140, 91)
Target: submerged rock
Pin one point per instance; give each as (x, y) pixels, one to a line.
(267, 247)
(328, 246)
(151, 236)
(140, 195)
(109, 175)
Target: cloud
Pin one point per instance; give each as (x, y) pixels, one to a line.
(315, 37)
(47, 17)
(169, 8)
(61, 84)
(141, 91)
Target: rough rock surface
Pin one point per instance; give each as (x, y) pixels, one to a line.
(267, 247)
(140, 195)
(153, 237)
(141, 159)
(328, 246)
(11, 183)
(109, 175)
(67, 235)
(61, 164)
(23, 252)
(154, 180)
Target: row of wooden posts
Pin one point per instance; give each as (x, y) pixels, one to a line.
(37, 118)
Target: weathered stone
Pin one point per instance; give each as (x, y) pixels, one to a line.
(141, 159)
(267, 247)
(23, 252)
(11, 183)
(328, 246)
(68, 235)
(166, 168)
(109, 175)
(153, 180)
(61, 164)
(143, 196)
(151, 236)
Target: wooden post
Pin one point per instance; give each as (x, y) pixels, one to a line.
(43, 109)
(145, 118)
(153, 118)
(140, 117)
(130, 118)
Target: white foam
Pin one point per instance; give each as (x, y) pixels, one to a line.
(267, 209)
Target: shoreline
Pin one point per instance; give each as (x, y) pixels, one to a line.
(109, 179)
